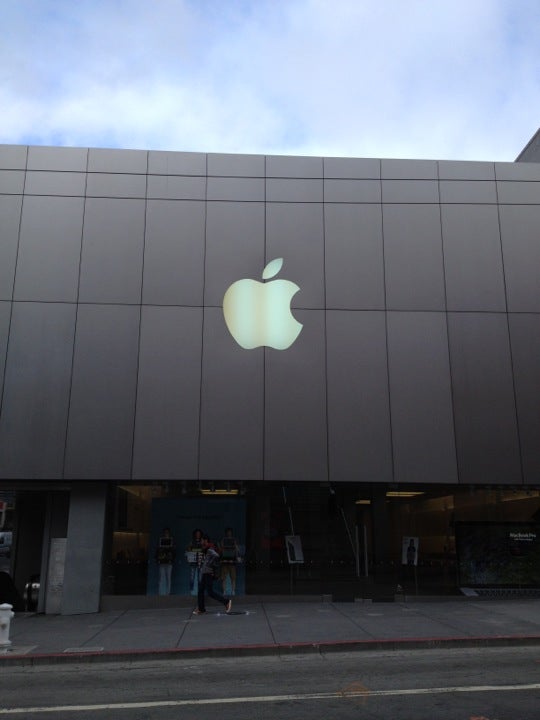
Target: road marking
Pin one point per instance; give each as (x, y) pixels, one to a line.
(267, 699)
(358, 691)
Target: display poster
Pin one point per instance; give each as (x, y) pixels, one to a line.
(184, 517)
(493, 554)
(409, 550)
(295, 554)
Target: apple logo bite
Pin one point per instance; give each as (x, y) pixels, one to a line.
(259, 314)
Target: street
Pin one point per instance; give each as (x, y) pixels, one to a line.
(454, 684)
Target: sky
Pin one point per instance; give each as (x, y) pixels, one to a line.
(434, 79)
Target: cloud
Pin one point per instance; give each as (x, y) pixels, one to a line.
(356, 77)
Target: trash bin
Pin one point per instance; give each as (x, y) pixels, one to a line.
(31, 593)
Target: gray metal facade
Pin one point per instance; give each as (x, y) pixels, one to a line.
(531, 152)
(419, 359)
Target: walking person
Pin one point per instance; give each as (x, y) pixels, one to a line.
(206, 579)
(194, 556)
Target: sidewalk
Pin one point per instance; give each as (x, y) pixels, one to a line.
(267, 626)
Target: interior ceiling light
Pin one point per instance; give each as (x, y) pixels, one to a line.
(520, 495)
(363, 502)
(219, 491)
(402, 493)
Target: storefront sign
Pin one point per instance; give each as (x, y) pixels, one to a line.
(259, 314)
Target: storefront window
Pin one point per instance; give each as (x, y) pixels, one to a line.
(349, 535)
(7, 514)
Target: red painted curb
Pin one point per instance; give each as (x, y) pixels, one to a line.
(267, 649)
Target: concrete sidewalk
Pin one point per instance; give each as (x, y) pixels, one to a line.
(270, 626)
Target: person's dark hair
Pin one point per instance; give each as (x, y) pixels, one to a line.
(229, 529)
(197, 531)
(205, 537)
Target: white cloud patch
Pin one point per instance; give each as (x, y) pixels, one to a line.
(353, 77)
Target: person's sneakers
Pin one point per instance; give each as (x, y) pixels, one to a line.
(228, 606)
(199, 612)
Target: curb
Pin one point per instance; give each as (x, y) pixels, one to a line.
(301, 648)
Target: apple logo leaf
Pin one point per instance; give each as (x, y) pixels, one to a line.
(273, 267)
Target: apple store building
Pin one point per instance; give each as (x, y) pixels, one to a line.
(331, 366)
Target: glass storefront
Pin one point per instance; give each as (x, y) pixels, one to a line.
(7, 514)
(349, 535)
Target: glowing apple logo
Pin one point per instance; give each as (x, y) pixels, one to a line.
(260, 313)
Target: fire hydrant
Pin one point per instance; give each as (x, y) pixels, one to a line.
(5, 620)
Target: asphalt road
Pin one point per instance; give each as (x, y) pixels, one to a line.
(454, 684)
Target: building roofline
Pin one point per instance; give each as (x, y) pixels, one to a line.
(531, 151)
